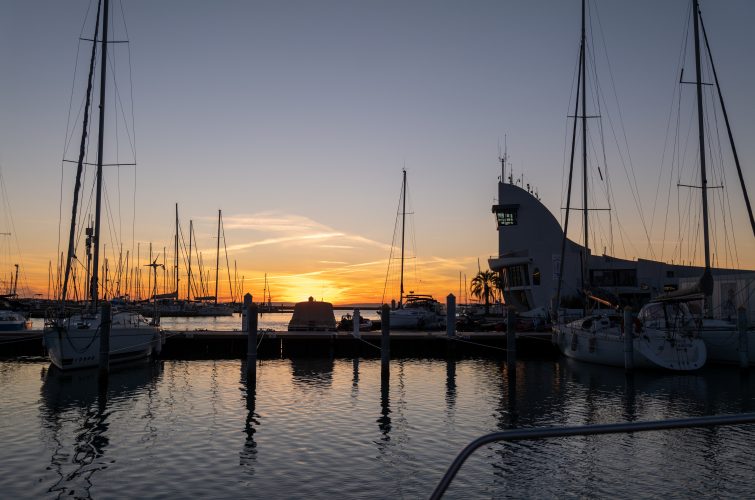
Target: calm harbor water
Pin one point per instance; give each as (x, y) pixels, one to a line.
(273, 321)
(328, 428)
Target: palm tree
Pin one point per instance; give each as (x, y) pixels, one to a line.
(483, 287)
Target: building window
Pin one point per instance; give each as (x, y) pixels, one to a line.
(536, 276)
(613, 277)
(514, 276)
(506, 215)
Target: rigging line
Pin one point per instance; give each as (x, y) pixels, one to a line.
(133, 122)
(393, 246)
(621, 123)
(119, 102)
(719, 173)
(674, 152)
(632, 181)
(227, 264)
(728, 127)
(557, 304)
(674, 157)
(566, 132)
(9, 216)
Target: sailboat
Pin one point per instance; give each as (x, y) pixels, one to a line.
(721, 336)
(599, 337)
(73, 340)
(413, 311)
(11, 320)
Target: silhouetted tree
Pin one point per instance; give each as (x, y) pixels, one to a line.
(483, 287)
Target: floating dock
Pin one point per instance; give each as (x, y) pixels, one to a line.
(276, 344)
(227, 344)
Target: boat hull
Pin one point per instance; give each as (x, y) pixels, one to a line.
(414, 319)
(722, 341)
(75, 342)
(651, 349)
(11, 321)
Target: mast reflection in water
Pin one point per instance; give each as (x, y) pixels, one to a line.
(332, 427)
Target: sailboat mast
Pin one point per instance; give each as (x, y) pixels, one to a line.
(217, 259)
(80, 166)
(403, 232)
(175, 258)
(585, 212)
(100, 142)
(188, 288)
(707, 277)
(568, 193)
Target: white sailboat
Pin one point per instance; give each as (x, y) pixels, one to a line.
(414, 311)
(599, 336)
(73, 340)
(721, 336)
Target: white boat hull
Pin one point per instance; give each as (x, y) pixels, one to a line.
(414, 319)
(722, 340)
(75, 342)
(651, 348)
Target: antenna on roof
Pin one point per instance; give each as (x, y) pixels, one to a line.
(503, 159)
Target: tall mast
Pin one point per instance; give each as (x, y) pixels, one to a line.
(585, 212)
(100, 141)
(403, 232)
(80, 166)
(707, 280)
(175, 258)
(217, 259)
(188, 288)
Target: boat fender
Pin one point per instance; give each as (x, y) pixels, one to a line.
(637, 325)
(574, 341)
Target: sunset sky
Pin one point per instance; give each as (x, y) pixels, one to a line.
(296, 118)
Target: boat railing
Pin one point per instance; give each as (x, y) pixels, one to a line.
(584, 430)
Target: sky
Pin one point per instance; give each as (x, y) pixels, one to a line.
(295, 118)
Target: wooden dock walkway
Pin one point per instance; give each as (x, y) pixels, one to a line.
(229, 344)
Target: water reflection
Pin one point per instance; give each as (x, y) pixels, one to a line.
(450, 385)
(347, 432)
(312, 372)
(248, 454)
(355, 378)
(384, 421)
(76, 414)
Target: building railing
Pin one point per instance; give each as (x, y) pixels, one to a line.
(584, 430)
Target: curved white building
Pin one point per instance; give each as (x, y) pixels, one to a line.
(529, 250)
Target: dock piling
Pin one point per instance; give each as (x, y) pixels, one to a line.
(105, 321)
(385, 340)
(356, 319)
(628, 340)
(251, 346)
(744, 348)
(451, 315)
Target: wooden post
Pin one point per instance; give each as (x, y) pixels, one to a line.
(105, 321)
(450, 316)
(251, 345)
(628, 340)
(511, 339)
(385, 340)
(744, 348)
(247, 303)
(356, 319)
